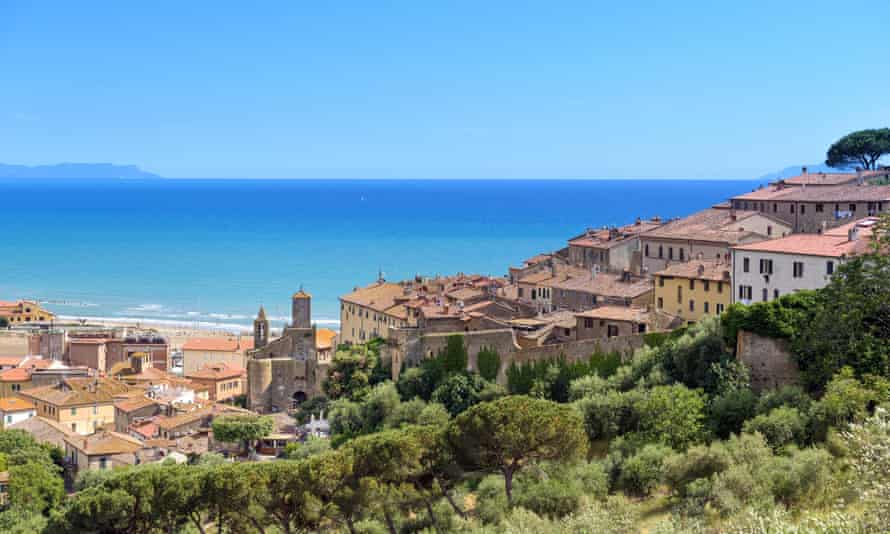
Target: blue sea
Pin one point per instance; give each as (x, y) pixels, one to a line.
(209, 252)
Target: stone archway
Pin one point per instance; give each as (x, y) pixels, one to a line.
(299, 398)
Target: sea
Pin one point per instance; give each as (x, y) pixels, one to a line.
(207, 253)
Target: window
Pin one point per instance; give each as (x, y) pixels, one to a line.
(679, 294)
(820, 208)
(660, 251)
(588, 322)
(797, 269)
(95, 410)
(707, 307)
(74, 427)
(829, 267)
(766, 266)
(641, 328)
(852, 208)
(612, 331)
(719, 287)
(746, 292)
(792, 208)
(769, 230)
(707, 284)
(670, 253)
(775, 293)
(660, 281)
(103, 463)
(765, 294)
(520, 292)
(692, 285)
(660, 303)
(646, 253)
(16, 387)
(73, 411)
(692, 305)
(803, 209)
(775, 207)
(682, 255)
(719, 308)
(746, 265)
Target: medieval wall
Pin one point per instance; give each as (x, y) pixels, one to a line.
(769, 360)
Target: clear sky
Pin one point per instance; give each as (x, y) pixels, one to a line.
(448, 89)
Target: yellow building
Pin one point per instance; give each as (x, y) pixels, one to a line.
(694, 289)
(23, 311)
(82, 404)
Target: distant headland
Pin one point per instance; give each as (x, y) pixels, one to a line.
(75, 170)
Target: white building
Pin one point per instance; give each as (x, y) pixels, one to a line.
(14, 410)
(766, 270)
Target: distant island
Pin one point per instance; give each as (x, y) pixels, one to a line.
(75, 170)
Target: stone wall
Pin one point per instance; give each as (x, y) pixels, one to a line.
(769, 360)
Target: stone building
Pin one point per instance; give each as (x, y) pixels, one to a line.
(610, 249)
(285, 371)
(707, 234)
(813, 209)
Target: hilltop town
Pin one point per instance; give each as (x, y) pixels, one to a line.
(109, 397)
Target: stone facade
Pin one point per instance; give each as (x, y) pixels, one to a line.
(769, 360)
(285, 371)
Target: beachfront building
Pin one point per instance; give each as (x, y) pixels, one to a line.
(610, 249)
(813, 209)
(707, 234)
(15, 410)
(694, 289)
(223, 381)
(764, 271)
(200, 352)
(368, 312)
(108, 354)
(82, 404)
(24, 312)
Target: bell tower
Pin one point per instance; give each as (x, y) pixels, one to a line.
(301, 309)
(260, 330)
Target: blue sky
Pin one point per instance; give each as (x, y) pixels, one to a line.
(448, 89)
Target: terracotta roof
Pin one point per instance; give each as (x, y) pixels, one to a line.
(78, 391)
(104, 442)
(302, 295)
(834, 243)
(16, 374)
(712, 225)
(133, 404)
(465, 293)
(617, 313)
(534, 260)
(324, 338)
(219, 344)
(698, 270)
(13, 404)
(828, 194)
(607, 285)
(146, 430)
(378, 296)
(44, 430)
(610, 237)
(149, 374)
(11, 360)
(217, 371)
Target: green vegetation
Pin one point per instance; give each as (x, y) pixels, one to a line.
(863, 148)
(243, 429)
(673, 439)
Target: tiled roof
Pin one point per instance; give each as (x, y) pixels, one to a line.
(699, 270)
(146, 430)
(607, 238)
(378, 296)
(133, 404)
(821, 178)
(149, 374)
(13, 404)
(219, 344)
(834, 243)
(617, 313)
(607, 285)
(713, 225)
(11, 360)
(16, 374)
(217, 371)
(324, 338)
(465, 293)
(835, 193)
(78, 391)
(104, 442)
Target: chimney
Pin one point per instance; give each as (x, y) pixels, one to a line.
(803, 170)
(853, 233)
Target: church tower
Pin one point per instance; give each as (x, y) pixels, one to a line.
(301, 309)
(260, 330)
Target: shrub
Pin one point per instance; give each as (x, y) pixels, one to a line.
(803, 476)
(699, 462)
(780, 427)
(792, 396)
(672, 415)
(586, 386)
(548, 497)
(491, 500)
(459, 391)
(489, 363)
(642, 473)
(728, 412)
(434, 414)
